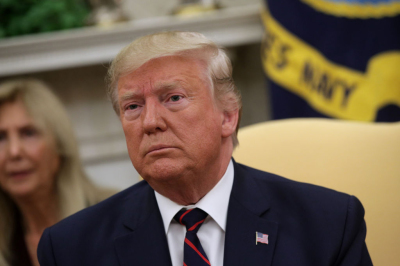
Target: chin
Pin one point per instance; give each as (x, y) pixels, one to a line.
(162, 175)
(163, 170)
(21, 192)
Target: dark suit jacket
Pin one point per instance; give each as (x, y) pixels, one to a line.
(307, 225)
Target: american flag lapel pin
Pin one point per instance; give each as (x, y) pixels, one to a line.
(261, 238)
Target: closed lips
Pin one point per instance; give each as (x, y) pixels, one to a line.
(18, 173)
(158, 147)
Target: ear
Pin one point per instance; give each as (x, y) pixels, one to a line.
(229, 122)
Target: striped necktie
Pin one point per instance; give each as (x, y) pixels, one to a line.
(193, 253)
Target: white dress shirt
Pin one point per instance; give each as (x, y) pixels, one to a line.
(211, 232)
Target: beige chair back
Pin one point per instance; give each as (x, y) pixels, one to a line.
(361, 159)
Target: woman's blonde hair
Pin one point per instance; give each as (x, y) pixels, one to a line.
(74, 189)
(188, 44)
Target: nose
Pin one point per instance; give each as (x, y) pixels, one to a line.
(15, 147)
(153, 117)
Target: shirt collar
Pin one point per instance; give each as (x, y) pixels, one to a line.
(215, 202)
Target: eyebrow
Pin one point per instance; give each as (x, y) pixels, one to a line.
(128, 95)
(159, 86)
(23, 127)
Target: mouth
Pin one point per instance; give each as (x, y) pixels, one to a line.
(155, 149)
(19, 174)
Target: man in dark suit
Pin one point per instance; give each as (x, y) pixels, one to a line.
(179, 109)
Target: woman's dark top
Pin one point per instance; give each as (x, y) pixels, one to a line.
(19, 250)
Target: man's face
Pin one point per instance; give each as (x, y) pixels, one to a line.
(172, 126)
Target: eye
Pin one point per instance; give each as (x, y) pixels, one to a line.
(132, 107)
(175, 98)
(29, 132)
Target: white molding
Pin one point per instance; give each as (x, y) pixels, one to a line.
(86, 46)
(103, 148)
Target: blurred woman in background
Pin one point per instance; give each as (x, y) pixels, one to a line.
(41, 176)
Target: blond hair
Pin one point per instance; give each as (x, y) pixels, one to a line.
(187, 44)
(74, 189)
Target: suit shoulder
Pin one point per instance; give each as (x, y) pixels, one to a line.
(315, 207)
(106, 210)
(87, 237)
(281, 189)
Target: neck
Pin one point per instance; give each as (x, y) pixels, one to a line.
(188, 190)
(38, 213)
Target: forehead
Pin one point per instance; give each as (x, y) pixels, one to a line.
(14, 111)
(168, 71)
(15, 115)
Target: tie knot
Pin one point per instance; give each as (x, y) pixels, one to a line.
(192, 218)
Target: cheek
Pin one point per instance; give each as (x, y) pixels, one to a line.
(208, 121)
(38, 153)
(56, 162)
(201, 131)
(131, 131)
(2, 160)
(133, 138)
(46, 158)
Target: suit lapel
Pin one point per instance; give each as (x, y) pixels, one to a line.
(248, 213)
(144, 241)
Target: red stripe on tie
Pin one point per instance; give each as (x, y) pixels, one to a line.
(184, 264)
(195, 249)
(186, 212)
(195, 225)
